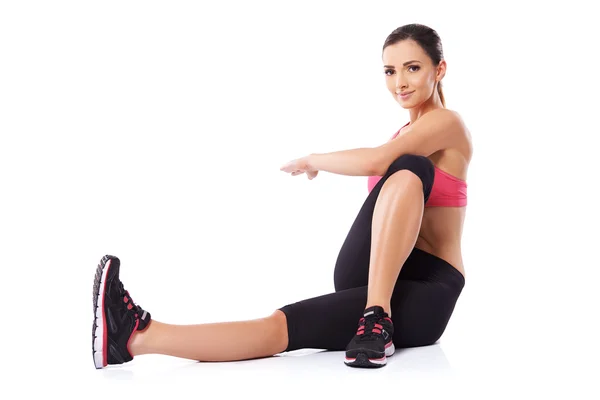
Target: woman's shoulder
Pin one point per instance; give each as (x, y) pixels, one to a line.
(452, 117)
(464, 141)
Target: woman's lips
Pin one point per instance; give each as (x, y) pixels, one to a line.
(405, 95)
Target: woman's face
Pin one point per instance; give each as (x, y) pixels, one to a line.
(409, 70)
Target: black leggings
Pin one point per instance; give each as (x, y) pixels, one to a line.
(424, 295)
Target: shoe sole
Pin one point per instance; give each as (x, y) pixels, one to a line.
(99, 333)
(363, 361)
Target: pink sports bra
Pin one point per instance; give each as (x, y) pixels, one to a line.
(447, 191)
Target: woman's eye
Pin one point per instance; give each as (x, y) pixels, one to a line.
(388, 70)
(414, 66)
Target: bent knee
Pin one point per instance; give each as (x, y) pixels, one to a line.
(410, 167)
(404, 178)
(419, 165)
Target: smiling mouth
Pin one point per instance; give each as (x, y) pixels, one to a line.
(404, 95)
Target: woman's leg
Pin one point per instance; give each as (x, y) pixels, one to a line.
(222, 341)
(122, 329)
(396, 223)
(423, 300)
(392, 216)
(352, 268)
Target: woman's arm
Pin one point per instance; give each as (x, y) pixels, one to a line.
(354, 162)
(434, 131)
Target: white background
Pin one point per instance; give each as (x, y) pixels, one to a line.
(154, 131)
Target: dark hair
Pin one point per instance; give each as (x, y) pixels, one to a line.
(427, 38)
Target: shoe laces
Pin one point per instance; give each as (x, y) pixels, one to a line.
(369, 328)
(131, 306)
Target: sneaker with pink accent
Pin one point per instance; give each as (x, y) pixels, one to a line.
(116, 316)
(373, 343)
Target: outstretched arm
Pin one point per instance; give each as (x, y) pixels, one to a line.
(434, 131)
(354, 162)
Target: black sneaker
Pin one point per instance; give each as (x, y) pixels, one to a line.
(372, 343)
(116, 316)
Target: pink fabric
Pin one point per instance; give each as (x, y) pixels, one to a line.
(447, 191)
(372, 181)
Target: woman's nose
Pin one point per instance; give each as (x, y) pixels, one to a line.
(400, 83)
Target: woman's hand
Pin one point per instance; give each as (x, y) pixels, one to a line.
(300, 166)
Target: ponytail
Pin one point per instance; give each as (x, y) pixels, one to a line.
(441, 93)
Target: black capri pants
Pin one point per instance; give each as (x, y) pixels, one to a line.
(423, 299)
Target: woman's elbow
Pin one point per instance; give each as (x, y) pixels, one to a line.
(375, 168)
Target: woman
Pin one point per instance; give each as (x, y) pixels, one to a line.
(400, 270)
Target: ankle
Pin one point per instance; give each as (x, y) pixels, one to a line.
(386, 307)
(138, 342)
(135, 344)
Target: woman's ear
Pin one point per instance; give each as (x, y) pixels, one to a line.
(441, 70)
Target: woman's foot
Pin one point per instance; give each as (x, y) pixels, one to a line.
(116, 316)
(372, 343)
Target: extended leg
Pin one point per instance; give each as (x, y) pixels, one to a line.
(223, 341)
(122, 329)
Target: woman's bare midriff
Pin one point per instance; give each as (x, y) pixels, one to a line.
(440, 234)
